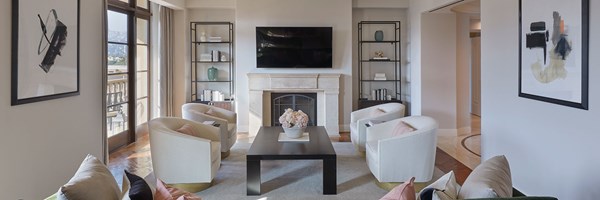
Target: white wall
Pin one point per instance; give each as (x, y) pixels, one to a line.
(463, 72)
(334, 13)
(552, 149)
(43, 143)
(438, 68)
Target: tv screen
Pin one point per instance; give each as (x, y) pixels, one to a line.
(293, 47)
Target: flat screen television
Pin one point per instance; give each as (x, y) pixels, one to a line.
(294, 47)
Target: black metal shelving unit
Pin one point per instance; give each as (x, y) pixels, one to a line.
(394, 85)
(198, 66)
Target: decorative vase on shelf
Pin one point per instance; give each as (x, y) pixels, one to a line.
(379, 35)
(293, 132)
(203, 37)
(212, 73)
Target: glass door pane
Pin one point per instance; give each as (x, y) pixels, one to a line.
(141, 68)
(117, 100)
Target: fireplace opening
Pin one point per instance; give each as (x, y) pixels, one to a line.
(307, 102)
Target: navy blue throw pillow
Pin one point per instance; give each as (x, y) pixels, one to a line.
(427, 194)
(139, 189)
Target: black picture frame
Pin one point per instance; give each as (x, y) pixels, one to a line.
(558, 30)
(45, 50)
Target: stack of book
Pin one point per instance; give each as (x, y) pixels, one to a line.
(379, 94)
(212, 95)
(214, 39)
(380, 77)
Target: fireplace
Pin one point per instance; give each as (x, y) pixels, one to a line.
(262, 86)
(307, 102)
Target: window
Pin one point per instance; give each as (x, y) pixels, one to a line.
(128, 72)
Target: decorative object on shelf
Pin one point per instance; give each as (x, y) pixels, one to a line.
(203, 37)
(51, 70)
(379, 94)
(223, 57)
(379, 35)
(293, 122)
(380, 77)
(215, 39)
(554, 44)
(215, 55)
(379, 56)
(206, 57)
(213, 73)
(212, 95)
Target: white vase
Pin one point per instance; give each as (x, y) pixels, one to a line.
(293, 132)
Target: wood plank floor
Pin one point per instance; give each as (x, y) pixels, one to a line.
(135, 158)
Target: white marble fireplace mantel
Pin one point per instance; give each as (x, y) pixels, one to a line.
(327, 87)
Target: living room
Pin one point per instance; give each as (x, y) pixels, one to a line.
(44, 142)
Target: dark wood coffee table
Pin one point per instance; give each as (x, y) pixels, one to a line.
(266, 147)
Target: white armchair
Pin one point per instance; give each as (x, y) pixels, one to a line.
(226, 119)
(181, 160)
(398, 158)
(359, 119)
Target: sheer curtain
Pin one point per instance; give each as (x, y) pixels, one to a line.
(165, 61)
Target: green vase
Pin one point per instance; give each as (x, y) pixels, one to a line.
(213, 74)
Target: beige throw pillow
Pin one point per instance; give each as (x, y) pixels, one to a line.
(92, 181)
(490, 179)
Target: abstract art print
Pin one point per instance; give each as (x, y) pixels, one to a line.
(45, 50)
(553, 52)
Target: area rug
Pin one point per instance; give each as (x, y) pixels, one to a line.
(295, 179)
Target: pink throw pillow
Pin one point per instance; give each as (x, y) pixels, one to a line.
(405, 191)
(377, 112)
(188, 129)
(213, 113)
(402, 128)
(165, 192)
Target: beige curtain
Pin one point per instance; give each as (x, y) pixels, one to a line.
(166, 61)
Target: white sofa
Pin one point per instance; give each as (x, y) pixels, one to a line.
(398, 158)
(226, 119)
(178, 158)
(359, 119)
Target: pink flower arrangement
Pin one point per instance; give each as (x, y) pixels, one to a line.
(291, 118)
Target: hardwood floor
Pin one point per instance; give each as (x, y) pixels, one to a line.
(135, 158)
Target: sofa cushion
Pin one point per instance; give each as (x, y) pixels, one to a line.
(165, 192)
(139, 189)
(445, 188)
(404, 191)
(91, 181)
(488, 180)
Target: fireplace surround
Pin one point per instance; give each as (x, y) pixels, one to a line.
(262, 85)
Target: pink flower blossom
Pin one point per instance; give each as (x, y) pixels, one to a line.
(291, 118)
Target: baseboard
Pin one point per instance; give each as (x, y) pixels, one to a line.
(344, 127)
(464, 130)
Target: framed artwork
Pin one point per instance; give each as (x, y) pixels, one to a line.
(553, 51)
(45, 50)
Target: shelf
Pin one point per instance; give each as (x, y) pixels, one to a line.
(388, 41)
(211, 81)
(206, 102)
(380, 80)
(223, 42)
(211, 61)
(380, 61)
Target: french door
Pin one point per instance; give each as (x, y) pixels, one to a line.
(128, 74)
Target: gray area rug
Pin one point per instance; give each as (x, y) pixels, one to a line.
(295, 179)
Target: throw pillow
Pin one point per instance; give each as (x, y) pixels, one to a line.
(404, 191)
(377, 112)
(91, 181)
(445, 188)
(402, 128)
(188, 129)
(213, 113)
(165, 192)
(139, 189)
(490, 179)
